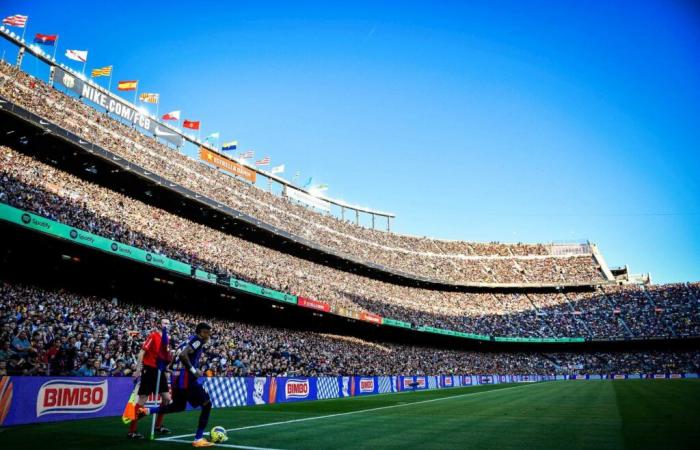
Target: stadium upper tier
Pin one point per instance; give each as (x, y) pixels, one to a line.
(638, 312)
(99, 337)
(452, 262)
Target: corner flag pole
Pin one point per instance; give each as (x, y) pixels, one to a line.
(153, 419)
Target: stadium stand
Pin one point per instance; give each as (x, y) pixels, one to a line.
(60, 333)
(446, 261)
(628, 311)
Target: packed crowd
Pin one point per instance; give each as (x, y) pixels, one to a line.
(449, 261)
(55, 332)
(621, 312)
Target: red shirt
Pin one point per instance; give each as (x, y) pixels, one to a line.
(151, 348)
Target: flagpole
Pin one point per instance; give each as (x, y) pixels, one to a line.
(24, 30)
(55, 47)
(136, 92)
(84, 64)
(110, 79)
(153, 419)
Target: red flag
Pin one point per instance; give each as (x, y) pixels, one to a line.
(172, 115)
(191, 124)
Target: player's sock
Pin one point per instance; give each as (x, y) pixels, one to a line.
(159, 420)
(203, 420)
(133, 426)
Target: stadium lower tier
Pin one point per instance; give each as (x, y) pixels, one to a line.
(445, 261)
(55, 332)
(638, 312)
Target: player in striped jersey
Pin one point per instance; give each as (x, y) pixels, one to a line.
(186, 387)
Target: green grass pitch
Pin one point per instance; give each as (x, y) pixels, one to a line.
(553, 415)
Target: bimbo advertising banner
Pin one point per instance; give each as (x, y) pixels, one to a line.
(50, 399)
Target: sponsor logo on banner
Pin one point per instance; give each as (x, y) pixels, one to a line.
(313, 304)
(659, 375)
(675, 375)
(421, 382)
(71, 397)
(223, 162)
(407, 383)
(258, 389)
(154, 400)
(346, 386)
(618, 377)
(448, 381)
(373, 318)
(580, 377)
(467, 381)
(296, 389)
(366, 384)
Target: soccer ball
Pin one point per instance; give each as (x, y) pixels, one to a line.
(218, 434)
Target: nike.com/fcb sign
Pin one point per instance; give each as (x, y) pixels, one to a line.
(115, 105)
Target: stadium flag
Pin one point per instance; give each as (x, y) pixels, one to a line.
(296, 176)
(191, 124)
(247, 155)
(147, 97)
(322, 187)
(229, 145)
(18, 21)
(172, 115)
(212, 136)
(308, 182)
(45, 39)
(277, 169)
(78, 55)
(128, 85)
(102, 72)
(263, 162)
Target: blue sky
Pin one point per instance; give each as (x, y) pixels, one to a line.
(494, 121)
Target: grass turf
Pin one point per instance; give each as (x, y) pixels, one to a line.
(565, 414)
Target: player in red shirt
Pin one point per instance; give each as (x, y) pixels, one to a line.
(147, 369)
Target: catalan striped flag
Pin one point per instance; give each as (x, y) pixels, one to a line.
(263, 162)
(102, 72)
(147, 97)
(128, 85)
(247, 155)
(17, 20)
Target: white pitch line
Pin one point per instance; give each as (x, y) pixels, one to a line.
(244, 447)
(306, 419)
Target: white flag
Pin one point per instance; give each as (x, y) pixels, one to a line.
(277, 169)
(77, 55)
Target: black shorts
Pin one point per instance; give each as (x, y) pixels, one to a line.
(194, 394)
(149, 376)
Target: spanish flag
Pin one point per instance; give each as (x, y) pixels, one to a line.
(128, 85)
(102, 72)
